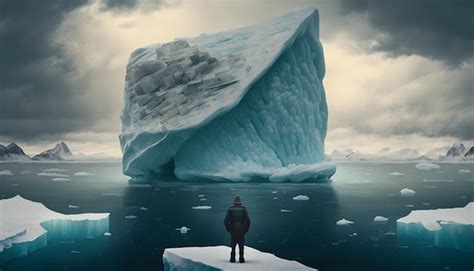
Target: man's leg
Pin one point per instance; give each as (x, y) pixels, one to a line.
(241, 249)
(233, 243)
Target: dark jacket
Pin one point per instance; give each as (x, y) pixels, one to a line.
(237, 221)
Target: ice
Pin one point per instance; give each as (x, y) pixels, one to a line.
(82, 174)
(380, 219)
(344, 222)
(240, 105)
(183, 229)
(464, 171)
(27, 226)
(60, 179)
(216, 258)
(6, 172)
(204, 207)
(450, 227)
(143, 209)
(73, 206)
(52, 174)
(201, 196)
(55, 170)
(438, 180)
(301, 197)
(130, 216)
(286, 211)
(426, 166)
(107, 234)
(406, 192)
(396, 173)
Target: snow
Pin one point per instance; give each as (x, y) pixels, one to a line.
(301, 197)
(183, 229)
(450, 227)
(205, 104)
(380, 219)
(28, 226)
(396, 173)
(52, 174)
(427, 166)
(344, 222)
(202, 207)
(6, 172)
(217, 258)
(406, 192)
(82, 174)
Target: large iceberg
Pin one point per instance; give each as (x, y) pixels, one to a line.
(233, 106)
(451, 227)
(217, 258)
(26, 226)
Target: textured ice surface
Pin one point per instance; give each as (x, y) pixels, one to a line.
(451, 227)
(217, 258)
(407, 192)
(344, 222)
(427, 166)
(237, 105)
(26, 226)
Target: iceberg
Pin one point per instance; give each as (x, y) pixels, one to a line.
(246, 104)
(407, 192)
(6, 172)
(344, 222)
(427, 166)
(216, 258)
(450, 227)
(27, 226)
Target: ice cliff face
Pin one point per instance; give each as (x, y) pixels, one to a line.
(236, 105)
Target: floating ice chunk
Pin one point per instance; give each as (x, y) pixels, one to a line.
(203, 207)
(274, 192)
(55, 170)
(426, 166)
(396, 173)
(203, 199)
(286, 211)
(301, 197)
(216, 258)
(107, 234)
(450, 227)
(73, 206)
(464, 171)
(75, 252)
(60, 179)
(6, 172)
(410, 205)
(353, 234)
(183, 229)
(438, 180)
(27, 226)
(143, 209)
(83, 174)
(344, 222)
(201, 196)
(130, 216)
(52, 174)
(229, 106)
(111, 195)
(380, 219)
(275, 197)
(407, 192)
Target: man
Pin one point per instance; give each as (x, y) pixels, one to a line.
(237, 223)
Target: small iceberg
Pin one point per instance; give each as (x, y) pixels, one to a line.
(407, 192)
(130, 216)
(464, 171)
(6, 172)
(396, 173)
(27, 226)
(217, 258)
(52, 174)
(344, 222)
(426, 166)
(183, 229)
(55, 170)
(83, 174)
(286, 211)
(301, 197)
(380, 219)
(438, 180)
(61, 179)
(202, 207)
(450, 227)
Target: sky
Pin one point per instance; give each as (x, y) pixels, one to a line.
(399, 73)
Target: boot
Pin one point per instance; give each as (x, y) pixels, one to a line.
(241, 259)
(232, 257)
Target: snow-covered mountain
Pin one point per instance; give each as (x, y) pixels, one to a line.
(446, 153)
(12, 152)
(60, 152)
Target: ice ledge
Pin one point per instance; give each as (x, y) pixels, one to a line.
(26, 226)
(217, 258)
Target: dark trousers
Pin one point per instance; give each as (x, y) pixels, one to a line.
(237, 240)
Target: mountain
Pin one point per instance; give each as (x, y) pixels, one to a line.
(456, 152)
(59, 152)
(437, 153)
(469, 155)
(348, 154)
(12, 152)
(403, 154)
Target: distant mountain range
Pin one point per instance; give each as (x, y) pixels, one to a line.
(456, 152)
(60, 152)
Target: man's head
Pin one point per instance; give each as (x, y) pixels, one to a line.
(237, 200)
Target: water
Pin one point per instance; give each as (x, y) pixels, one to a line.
(306, 233)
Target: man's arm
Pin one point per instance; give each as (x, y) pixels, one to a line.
(247, 220)
(227, 221)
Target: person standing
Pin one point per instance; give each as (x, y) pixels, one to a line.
(237, 224)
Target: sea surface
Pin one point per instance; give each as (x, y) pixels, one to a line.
(305, 230)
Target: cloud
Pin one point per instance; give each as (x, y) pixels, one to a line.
(439, 29)
(124, 6)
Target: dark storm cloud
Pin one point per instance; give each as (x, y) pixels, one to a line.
(127, 5)
(437, 29)
(40, 94)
